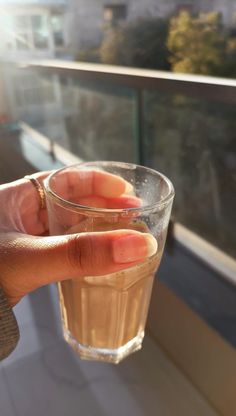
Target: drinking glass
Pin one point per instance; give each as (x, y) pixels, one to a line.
(104, 317)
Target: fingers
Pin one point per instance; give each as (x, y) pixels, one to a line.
(31, 262)
(121, 202)
(74, 184)
(69, 221)
(40, 176)
(124, 201)
(22, 211)
(20, 207)
(107, 185)
(92, 188)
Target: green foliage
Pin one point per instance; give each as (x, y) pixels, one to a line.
(185, 43)
(140, 44)
(200, 45)
(196, 44)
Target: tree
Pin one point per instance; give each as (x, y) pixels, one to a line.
(140, 44)
(197, 44)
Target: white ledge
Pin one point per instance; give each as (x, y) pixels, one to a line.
(210, 254)
(128, 71)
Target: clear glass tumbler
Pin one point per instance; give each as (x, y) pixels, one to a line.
(104, 317)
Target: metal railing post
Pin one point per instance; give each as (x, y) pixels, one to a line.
(140, 120)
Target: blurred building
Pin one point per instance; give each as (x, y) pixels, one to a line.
(61, 28)
(30, 29)
(34, 28)
(49, 29)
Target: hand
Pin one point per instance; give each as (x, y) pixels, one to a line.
(30, 259)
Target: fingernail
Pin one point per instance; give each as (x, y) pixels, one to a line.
(134, 247)
(151, 244)
(129, 189)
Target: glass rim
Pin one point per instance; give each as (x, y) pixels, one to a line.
(156, 205)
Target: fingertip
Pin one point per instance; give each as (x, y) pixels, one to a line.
(93, 202)
(151, 244)
(108, 185)
(133, 246)
(124, 201)
(129, 189)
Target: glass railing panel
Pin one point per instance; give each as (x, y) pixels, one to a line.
(90, 119)
(193, 142)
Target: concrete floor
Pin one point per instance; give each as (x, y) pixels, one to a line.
(43, 376)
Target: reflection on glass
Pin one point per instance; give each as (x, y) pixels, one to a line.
(91, 121)
(100, 122)
(194, 141)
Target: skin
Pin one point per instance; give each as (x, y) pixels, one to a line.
(29, 258)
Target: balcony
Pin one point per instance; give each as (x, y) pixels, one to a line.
(61, 112)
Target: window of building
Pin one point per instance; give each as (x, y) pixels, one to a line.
(57, 29)
(23, 41)
(22, 23)
(113, 13)
(40, 31)
(22, 32)
(31, 31)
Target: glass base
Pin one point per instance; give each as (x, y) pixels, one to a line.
(113, 356)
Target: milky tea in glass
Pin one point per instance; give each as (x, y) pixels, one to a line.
(104, 317)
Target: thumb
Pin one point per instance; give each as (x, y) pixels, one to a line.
(31, 262)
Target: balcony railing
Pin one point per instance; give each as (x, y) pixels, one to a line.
(181, 125)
